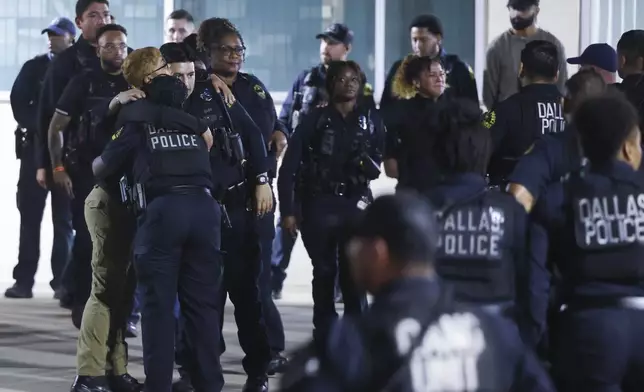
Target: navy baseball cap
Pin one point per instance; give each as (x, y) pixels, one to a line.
(337, 32)
(600, 55)
(60, 26)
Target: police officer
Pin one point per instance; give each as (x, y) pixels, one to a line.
(413, 337)
(90, 16)
(535, 110)
(426, 33)
(242, 186)
(332, 157)
(630, 53)
(411, 122)
(77, 117)
(177, 245)
(554, 155)
(32, 190)
(218, 33)
(488, 260)
(593, 225)
(308, 91)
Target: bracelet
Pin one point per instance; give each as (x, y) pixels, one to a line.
(59, 169)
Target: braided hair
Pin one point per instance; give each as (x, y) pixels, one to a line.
(334, 71)
(213, 30)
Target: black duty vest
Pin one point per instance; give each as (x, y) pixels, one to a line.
(89, 136)
(334, 153)
(177, 155)
(608, 231)
(476, 244)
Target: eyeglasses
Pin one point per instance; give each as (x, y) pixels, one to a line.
(229, 50)
(114, 47)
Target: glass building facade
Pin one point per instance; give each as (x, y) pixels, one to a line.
(279, 34)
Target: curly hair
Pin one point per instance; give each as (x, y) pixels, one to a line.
(213, 30)
(408, 71)
(139, 64)
(335, 70)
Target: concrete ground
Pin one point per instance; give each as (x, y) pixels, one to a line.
(37, 340)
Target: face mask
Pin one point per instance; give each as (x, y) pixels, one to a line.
(166, 90)
(519, 23)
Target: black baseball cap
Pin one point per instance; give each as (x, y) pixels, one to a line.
(599, 55)
(522, 5)
(337, 32)
(61, 26)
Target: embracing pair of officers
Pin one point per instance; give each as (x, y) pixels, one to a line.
(161, 165)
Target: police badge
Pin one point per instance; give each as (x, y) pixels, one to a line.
(259, 91)
(363, 122)
(206, 96)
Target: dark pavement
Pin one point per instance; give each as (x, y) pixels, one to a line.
(38, 345)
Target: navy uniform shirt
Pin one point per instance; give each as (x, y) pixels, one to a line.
(517, 236)
(462, 350)
(66, 65)
(411, 129)
(206, 102)
(129, 149)
(257, 101)
(551, 158)
(299, 149)
(555, 211)
(460, 80)
(289, 105)
(26, 91)
(517, 122)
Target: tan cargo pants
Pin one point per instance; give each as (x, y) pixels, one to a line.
(101, 341)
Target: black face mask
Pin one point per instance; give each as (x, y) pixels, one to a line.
(519, 23)
(167, 91)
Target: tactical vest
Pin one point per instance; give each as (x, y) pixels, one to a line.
(334, 156)
(87, 136)
(608, 227)
(177, 156)
(476, 243)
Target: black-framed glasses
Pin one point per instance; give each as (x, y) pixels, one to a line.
(228, 51)
(114, 47)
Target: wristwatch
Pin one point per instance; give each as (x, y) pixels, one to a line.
(261, 179)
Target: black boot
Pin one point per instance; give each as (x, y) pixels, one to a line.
(90, 384)
(124, 383)
(256, 384)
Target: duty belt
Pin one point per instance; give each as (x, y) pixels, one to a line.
(237, 196)
(181, 190)
(339, 189)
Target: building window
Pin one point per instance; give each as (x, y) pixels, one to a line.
(22, 21)
(280, 34)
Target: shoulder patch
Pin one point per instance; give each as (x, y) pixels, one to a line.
(117, 134)
(471, 71)
(368, 89)
(259, 91)
(489, 119)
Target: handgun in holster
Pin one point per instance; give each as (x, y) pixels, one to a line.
(138, 197)
(219, 196)
(21, 140)
(126, 193)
